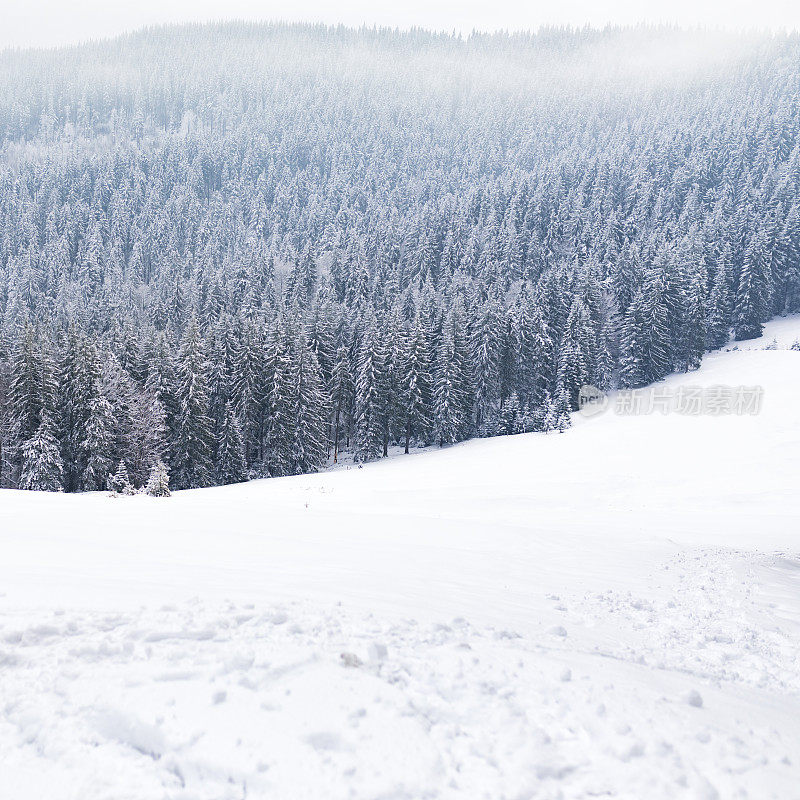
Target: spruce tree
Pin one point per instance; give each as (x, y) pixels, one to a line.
(751, 304)
(448, 391)
(248, 391)
(231, 464)
(280, 426)
(485, 361)
(341, 391)
(32, 390)
(416, 384)
(578, 355)
(718, 312)
(370, 400)
(99, 444)
(42, 468)
(158, 482)
(194, 430)
(311, 407)
(120, 481)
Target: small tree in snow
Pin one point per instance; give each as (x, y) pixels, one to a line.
(158, 483)
(119, 482)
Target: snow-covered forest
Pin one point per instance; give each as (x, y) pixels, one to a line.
(242, 249)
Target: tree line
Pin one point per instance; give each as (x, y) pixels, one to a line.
(238, 250)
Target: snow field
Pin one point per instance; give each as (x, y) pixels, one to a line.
(561, 616)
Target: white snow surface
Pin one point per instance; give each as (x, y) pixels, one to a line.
(609, 612)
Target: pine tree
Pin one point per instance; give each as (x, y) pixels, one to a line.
(231, 464)
(32, 391)
(645, 354)
(790, 238)
(695, 336)
(549, 415)
(161, 383)
(148, 439)
(533, 366)
(416, 384)
(341, 391)
(78, 395)
(485, 360)
(751, 305)
(280, 426)
(370, 394)
(42, 468)
(448, 393)
(311, 404)
(158, 482)
(557, 412)
(120, 481)
(248, 391)
(718, 311)
(577, 360)
(195, 434)
(563, 420)
(511, 417)
(98, 444)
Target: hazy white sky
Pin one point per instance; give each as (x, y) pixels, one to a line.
(49, 22)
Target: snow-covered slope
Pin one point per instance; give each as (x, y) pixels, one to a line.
(614, 611)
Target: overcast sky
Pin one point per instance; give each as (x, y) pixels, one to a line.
(52, 22)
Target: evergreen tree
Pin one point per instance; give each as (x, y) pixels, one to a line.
(195, 434)
(341, 391)
(416, 384)
(231, 464)
(577, 361)
(78, 396)
(148, 442)
(99, 444)
(751, 304)
(718, 311)
(644, 341)
(311, 403)
(158, 482)
(511, 417)
(248, 390)
(485, 358)
(42, 468)
(32, 390)
(370, 400)
(280, 428)
(448, 393)
(120, 481)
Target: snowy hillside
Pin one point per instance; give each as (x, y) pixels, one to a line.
(613, 611)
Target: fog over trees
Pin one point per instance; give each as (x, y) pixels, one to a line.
(242, 249)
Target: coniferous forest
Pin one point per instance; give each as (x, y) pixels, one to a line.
(241, 250)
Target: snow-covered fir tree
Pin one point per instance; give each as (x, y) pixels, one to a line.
(231, 461)
(158, 482)
(42, 468)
